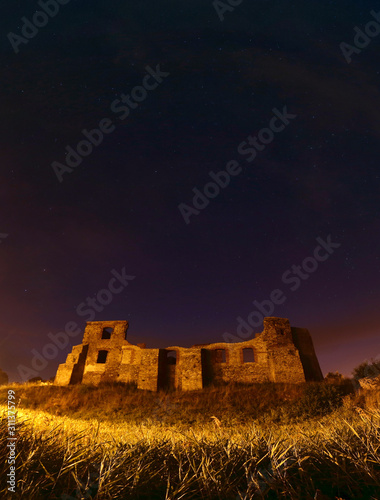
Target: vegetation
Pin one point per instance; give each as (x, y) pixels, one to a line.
(367, 369)
(261, 442)
(233, 404)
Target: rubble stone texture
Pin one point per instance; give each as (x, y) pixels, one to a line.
(280, 353)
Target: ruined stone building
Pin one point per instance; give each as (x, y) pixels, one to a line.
(280, 353)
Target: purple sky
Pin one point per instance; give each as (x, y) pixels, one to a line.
(316, 178)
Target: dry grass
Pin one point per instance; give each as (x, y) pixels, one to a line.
(233, 404)
(175, 458)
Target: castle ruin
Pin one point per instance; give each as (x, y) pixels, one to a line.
(280, 353)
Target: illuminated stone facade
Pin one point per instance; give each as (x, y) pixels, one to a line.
(280, 353)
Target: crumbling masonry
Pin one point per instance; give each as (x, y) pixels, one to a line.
(280, 353)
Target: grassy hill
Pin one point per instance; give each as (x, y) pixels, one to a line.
(266, 441)
(279, 402)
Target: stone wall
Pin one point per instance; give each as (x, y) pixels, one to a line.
(148, 373)
(189, 376)
(71, 372)
(278, 354)
(304, 343)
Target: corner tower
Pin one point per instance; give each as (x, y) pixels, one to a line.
(98, 357)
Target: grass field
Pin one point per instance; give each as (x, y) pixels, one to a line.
(265, 442)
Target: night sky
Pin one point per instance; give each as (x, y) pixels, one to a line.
(117, 212)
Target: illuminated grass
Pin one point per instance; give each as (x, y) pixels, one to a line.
(338, 453)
